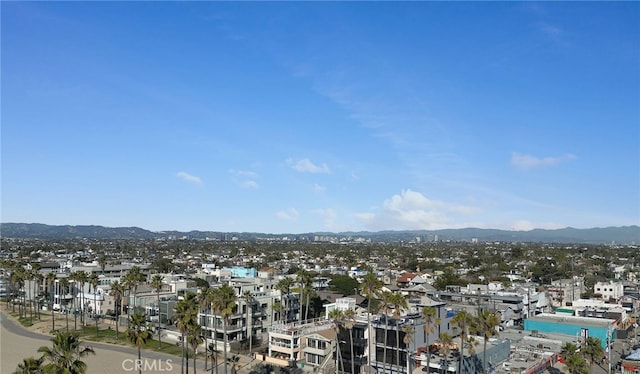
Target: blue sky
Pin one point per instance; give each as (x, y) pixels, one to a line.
(290, 117)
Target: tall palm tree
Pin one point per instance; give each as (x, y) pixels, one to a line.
(131, 280)
(81, 277)
(74, 276)
(336, 316)
(65, 355)
(284, 286)
(227, 304)
(573, 359)
(194, 338)
(204, 302)
(117, 291)
(408, 331)
(400, 305)
(593, 350)
(385, 308)
(463, 321)
(63, 287)
(37, 279)
(486, 324)
(51, 279)
(429, 317)
(94, 281)
(138, 334)
(370, 287)
(445, 340)
(30, 366)
(248, 299)
(156, 285)
(305, 280)
(184, 317)
(349, 321)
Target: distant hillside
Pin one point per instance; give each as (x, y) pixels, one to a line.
(607, 235)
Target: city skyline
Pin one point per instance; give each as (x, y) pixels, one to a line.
(308, 117)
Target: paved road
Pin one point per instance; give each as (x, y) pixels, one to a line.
(17, 343)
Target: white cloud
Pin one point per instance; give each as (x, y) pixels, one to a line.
(329, 217)
(524, 225)
(306, 166)
(244, 178)
(189, 178)
(528, 162)
(319, 188)
(287, 215)
(413, 211)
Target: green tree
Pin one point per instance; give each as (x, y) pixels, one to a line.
(486, 325)
(30, 366)
(65, 355)
(117, 291)
(138, 334)
(185, 316)
(51, 279)
(336, 315)
(430, 320)
(156, 285)
(94, 281)
(248, 299)
(343, 284)
(227, 303)
(445, 340)
(593, 350)
(463, 321)
(370, 287)
(399, 306)
(349, 321)
(63, 287)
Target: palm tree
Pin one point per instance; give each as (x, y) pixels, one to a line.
(184, 317)
(51, 278)
(593, 350)
(117, 291)
(94, 281)
(64, 288)
(284, 286)
(349, 321)
(74, 277)
(386, 302)
(30, 366)
(408, 331)
(65, 355)
(138, 334)
(573, 360)
(37, 278)
(463, 320)
(336, 315)
(429, 317)
(204, 301)
(248, 298)
(445, 340)
(194, 337)
(486, 324)
(278, 308)
(305, 280)
(370, 286)
(102, 262)
(228, 299)
(131, 280)
(400, 305)
(156, 285)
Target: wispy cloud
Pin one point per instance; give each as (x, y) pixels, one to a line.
(412, 210)
(317, 188)
(528, 162)
(288, 214)
(307, 166)
(550, 30)
(189, 178)
(328, 216)
(244, 178)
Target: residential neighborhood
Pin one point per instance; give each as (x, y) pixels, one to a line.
(354, 307)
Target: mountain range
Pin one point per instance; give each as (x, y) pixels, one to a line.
(606, 235)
